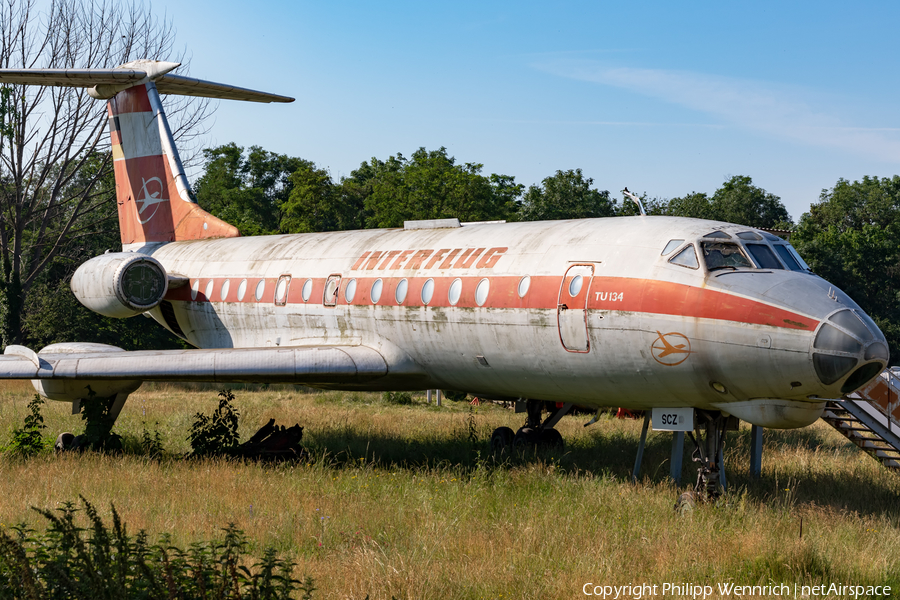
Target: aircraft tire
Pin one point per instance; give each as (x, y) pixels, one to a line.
(502, 440)
(525, 438)
(551, 439)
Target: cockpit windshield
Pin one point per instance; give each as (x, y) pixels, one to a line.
(751, 250)
(724, 255)
(763, 256)
(788, 257)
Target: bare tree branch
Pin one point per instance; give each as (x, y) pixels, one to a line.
(55, 168)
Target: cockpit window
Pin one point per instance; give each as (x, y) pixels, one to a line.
(722, 255)
(718, 235)
(686, 258)
(798, 257)
(788, 259)
(749, 235)
(670, 247)
(763, 256)
(771, 237)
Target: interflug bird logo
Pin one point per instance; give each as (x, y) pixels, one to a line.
(671, 349)
(151, 198)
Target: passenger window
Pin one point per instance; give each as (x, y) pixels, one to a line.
(686, 258)
(763, 256)
(719, 255)
(670, 247)
(792, 264)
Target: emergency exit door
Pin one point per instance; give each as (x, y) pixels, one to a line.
(571, 308)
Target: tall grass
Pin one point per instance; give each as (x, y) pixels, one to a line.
(404, 500)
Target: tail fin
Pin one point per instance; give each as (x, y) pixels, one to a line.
(155, 200)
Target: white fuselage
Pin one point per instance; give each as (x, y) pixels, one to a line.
(639, 331)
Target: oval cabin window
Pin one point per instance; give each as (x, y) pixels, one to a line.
(455, 291)
(481, 292)
(427, 291)
(524, 284)
(377, 286)
(400, 293)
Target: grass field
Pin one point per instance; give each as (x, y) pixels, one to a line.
(404, 500)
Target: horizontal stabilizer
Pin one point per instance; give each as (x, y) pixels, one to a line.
(71, 77)
(188, 86)
(312, 365)
(106, 83)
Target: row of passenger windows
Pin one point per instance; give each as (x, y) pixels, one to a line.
(721, 255)
(426, 294)
(400, 292)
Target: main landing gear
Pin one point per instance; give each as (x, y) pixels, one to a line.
(535, 433)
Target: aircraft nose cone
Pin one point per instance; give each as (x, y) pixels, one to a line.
(849, 342)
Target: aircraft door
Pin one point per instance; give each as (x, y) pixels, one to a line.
(332, 287)
(281, 290)
(571, 308)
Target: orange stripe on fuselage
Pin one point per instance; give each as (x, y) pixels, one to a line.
(604, 294)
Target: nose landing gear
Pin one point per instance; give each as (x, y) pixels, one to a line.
(709, 454)
(535, 432)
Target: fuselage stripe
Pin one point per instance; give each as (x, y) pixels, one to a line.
(544, 293)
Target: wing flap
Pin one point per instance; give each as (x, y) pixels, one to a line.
(320, 364)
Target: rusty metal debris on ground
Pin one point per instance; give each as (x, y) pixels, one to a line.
(272, 442)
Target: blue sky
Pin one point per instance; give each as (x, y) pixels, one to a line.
(665, 98)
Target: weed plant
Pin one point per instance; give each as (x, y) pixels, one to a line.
(216, 434)
(96, 561)
(28, 440)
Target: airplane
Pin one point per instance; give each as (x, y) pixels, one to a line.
(642, 312)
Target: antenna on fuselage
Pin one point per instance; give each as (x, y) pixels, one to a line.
(636, 201)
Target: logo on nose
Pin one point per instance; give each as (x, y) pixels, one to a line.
(671, 349)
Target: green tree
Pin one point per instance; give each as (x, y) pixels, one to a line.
(851, 237)
(247, 190)
(695, 205)
(431, 185)
(565, 195)
(737, 201)
(316, 203)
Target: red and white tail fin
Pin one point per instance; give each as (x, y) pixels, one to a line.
(155, 200)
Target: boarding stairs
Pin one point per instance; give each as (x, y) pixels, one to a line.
(870, 418)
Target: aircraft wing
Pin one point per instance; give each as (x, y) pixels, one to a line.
(311, 365)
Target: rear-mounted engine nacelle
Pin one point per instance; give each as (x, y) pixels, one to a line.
(120, 284)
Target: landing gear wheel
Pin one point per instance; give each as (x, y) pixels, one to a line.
(525, 438)
(551, 439)
(502, 440)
